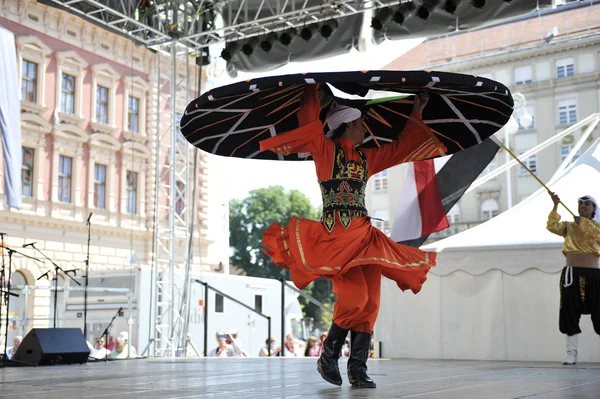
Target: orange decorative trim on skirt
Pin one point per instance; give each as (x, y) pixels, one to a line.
(309, 251)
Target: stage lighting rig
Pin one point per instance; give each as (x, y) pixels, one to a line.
(250, 45)
(308, 32)
(230, 50)
(267, 44)
(287, 36)
(404, 12)
(451, 6)
(328, 28)
(382, 17)
(427, 8)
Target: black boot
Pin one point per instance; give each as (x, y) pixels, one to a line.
(327, 365)
(360, 348)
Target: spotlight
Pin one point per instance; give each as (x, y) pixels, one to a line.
(249, 47)
(403, 13)
(478, 3)
(267, 44)
(308, 31)
(287, 36)
(427, 8)
(229, 51)
(451, 5)
(381, 18)
(328, 28)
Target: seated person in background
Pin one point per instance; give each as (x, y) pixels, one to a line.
(120, 351)
(238, 348)
(224, 349)
(125, 336)
(264, 351)
(16, 343)
(99, 351)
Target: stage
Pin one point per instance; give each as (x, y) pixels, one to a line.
(298, 378)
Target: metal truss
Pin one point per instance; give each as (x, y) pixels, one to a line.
(192, 24)
(173, 179)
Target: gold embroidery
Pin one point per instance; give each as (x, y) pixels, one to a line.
(582, 288)
(300, 248)
(394, 263)
(285, 245)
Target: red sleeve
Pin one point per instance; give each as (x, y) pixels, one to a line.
(309, 137)
(415, 142)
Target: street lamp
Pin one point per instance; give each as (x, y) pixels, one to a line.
(519, 118)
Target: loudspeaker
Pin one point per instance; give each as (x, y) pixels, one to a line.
(48, 346)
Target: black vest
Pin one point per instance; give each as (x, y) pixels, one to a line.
(344, 194)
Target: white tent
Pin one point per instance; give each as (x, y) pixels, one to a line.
(495, 292)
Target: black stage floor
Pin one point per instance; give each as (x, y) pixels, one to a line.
(298, 378)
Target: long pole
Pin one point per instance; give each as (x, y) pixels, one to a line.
(205, 319)
(87, 272)
(508, 171)
(529, 171)
(282, 353)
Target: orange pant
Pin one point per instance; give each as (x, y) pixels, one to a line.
(358, 292)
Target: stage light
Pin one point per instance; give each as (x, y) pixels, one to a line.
(267, 44)
(451, 5)
(328, 28)
(308, 32)
(478, 3)
(403, 13)
(230, 50)
(249, 47)
(427, 8)
(287, 36)
(381, 18)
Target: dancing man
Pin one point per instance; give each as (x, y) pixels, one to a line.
(580, 278)
(344, 246)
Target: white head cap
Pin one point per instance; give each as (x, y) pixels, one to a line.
(593, 200)
(341, 114)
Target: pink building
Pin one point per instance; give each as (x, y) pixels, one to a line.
(91, 102)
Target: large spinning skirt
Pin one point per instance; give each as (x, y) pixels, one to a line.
(309, 251)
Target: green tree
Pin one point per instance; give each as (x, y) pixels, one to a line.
(250, 217)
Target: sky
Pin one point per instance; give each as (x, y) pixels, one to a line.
(241, 175)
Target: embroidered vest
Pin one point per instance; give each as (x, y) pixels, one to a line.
(344, 194)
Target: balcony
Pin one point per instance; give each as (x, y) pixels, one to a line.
(454, 228)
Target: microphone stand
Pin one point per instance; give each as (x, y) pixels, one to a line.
(87, 273)
(56, 269)
(7, 294)
(105, 333)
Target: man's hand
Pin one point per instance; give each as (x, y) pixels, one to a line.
(555, 198)
(420, 102)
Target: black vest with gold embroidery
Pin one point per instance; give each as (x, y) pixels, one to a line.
(344, 193)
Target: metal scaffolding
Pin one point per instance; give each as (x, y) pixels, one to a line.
(172, 219)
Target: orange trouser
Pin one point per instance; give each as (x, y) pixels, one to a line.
(358, 292)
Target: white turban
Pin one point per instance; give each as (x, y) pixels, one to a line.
(341, 114)
(593, 200)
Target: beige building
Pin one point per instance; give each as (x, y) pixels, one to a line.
(553, 59)
(92, 107)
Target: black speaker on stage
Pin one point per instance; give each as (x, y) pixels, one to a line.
(48, 346)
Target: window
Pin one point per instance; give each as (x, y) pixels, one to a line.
(101, 104)
(258, 303)
(219, 305)
(523, 75)
(565, 150)
(454, 214)
(131, 192)
(27, 172)
(64, 178)
(100, 186)
(67, 94)
(489, 209)
(567, 112)
(381, 181)
(29, 81)
(565, 67)
(381, 220)
(133, 115)
(531, 163)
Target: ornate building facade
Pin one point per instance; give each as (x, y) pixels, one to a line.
(92, 108)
